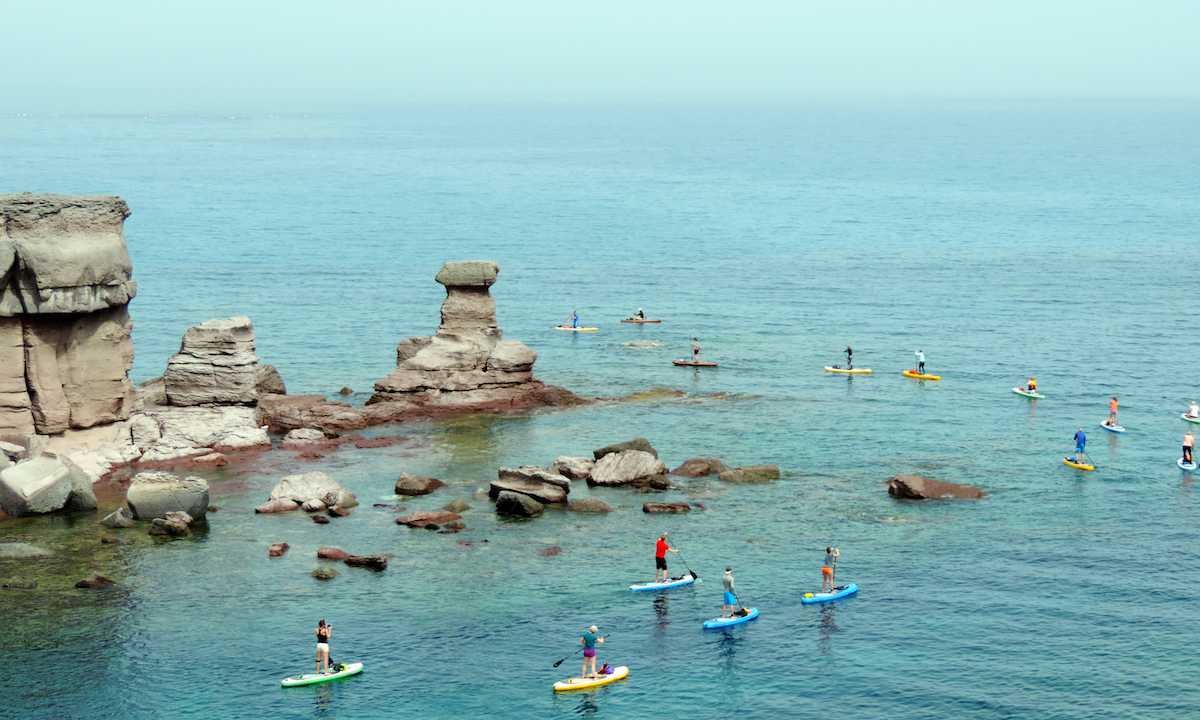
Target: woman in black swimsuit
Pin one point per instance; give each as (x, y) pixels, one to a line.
(323, 632)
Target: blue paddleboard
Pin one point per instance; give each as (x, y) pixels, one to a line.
(672, 583)
(726, 622)
(1186, 467)
(837, 594)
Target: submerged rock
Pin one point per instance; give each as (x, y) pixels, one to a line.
(751, 474)
(915, 487)
(276, 506)
(699, 467)
(513, 503)
(95, 581)
(320, 519)
(332, 553)
(638, 444)
(16, 582)
(652, 507)
(20, 550)
(325, 573)
(175, 524)
(550, 551)
(370, 562)
(302, 439)
(456, 506)
(408, 484)
(589, 505)
(154, 494)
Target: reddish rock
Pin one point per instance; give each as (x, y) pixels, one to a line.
(750, 474)
(466, 543)
(699, 467)
(370, 562)
(278, 505)
(320, 519)
(431, 519)
(652, 507)
(589, 505)
(307, 455)
(700, 506)
(95, 581)
(332, 553)
(915, 487)
(381, 441)
(550, 551)
(277, 549)
(339, 512)
(417, 484)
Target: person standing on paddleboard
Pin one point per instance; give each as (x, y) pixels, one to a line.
(323, 632)
(1112, 412)
(589, 640)
(695, 350)
(849, 358)
(730, 597)
(1080, 442)
(920, 362)
(1032, 385)
(1188, 442)
(660, 557)
(574, 319)
(830, 566)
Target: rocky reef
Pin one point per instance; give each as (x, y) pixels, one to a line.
(65, 286)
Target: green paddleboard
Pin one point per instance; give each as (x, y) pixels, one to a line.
(314, 678)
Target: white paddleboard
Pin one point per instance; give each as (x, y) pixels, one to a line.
(1110, 428)
(579, 683)
(1186, 467)
(314, 678)
(677, 582)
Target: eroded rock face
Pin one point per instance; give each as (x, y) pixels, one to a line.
(915, 487)
(154, 494)
(216, 365)
(512, 503)
(65, 282)
(626, 467)
(539, 484)
(699, 467)
(576, 468)
(466, 364)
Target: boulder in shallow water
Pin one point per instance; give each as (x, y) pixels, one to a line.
(626, 468)
(278, 549)
(699, 467)
(174, 525)
(332, 553)
(314, 485)
(325, 573)
(531, 480)
(16, 582)
(589, 505)
(431, 519)
(639, 444)
(512, 503)
(750, 474)
(277, 506)
(652, 507)
(345, 391)
(154, 494)
(576, 468)
(303, 439)
(95, 581)
(370, 562)
(915, 487)
(456, 506)
(408, 484)
(550, 551)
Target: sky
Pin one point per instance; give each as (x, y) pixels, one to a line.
(530, 49)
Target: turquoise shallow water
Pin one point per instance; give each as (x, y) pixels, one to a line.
(1003, 238)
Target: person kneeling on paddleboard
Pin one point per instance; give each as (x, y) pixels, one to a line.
(730, 597)
(1080, 442)
(323, 661)
(920, 362)
(589, 640)
(1194, 410)
(660, 557)
(1188, 442)
(830, 566)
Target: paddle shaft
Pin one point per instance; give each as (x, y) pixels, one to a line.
(689, 568)
(560, 662)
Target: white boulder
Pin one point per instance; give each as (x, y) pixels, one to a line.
(154, 494)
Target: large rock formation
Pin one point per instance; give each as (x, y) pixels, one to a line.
(915, 487)
(216, 365)
(466, 365)
(626, 467)
(531, 480)
(65, 283)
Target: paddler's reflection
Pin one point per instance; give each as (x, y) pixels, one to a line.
(587, 705)
(826, 627)
(660, 611)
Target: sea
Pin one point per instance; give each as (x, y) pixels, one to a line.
(1005, 238)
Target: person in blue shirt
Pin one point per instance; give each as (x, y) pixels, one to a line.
(575, 319)
(589, 640)
(1080, 441)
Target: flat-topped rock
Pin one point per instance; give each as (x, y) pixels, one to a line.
(625, 468)
(43, 485)
(154, 494)
(408, 484)
(915, 487)
(216, 365)
(638, 444)
(699, 467)
(538, 483)
(469, 273)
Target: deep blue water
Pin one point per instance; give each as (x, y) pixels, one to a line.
(1002, 238)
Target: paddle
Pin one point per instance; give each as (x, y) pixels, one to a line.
(560, 662)
(689, 569)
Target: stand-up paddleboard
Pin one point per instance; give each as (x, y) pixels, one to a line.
(726, 622)
(689, 363)
(672, 583)
(579, 683)
(314, 678)
(564, 327)
(1186, 467)
(1081, 466)
(838, 593)
(1029, 394)
(1190, 418)
(919, 376)
(855, 371)
(1112, 428)
(640, 321)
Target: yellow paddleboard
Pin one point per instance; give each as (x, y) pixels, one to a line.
(564, 327)
(1072, 463)
(914, 374)
(848, 372)
(587, 682)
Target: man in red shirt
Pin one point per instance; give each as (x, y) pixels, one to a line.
(660, 557)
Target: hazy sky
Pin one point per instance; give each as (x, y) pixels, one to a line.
(614, 48)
